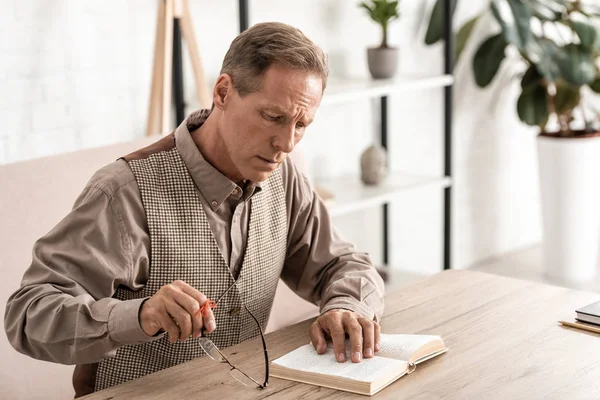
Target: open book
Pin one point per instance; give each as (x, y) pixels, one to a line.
(398, 356)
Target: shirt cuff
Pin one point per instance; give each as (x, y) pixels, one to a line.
(349, 303)
(124, 323)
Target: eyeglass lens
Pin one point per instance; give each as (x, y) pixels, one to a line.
(241, 377)
(210, 349)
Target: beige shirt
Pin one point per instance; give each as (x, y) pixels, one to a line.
(64, 312)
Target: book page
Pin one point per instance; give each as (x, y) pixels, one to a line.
(306, 358)
(401, 346)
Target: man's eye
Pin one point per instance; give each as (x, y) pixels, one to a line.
(271, 117)
(300, 125)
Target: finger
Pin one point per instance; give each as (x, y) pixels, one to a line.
(336, 331)
(368, 333)
(208, 320)
(167, 323)
(191, 306)
(356, 339)
(317, 337)
(199, 322)
(377, 336)
(182, 318)
(191, 291)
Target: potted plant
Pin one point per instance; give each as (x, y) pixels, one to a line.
(558, 44)
(382, 60)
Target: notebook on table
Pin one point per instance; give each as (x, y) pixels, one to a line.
(589, 313)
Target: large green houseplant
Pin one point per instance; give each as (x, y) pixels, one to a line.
(558, 44)
(382, 60)
(558, 41)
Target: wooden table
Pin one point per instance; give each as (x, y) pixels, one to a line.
(503, 337)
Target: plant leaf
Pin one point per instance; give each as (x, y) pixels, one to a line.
(595, 85)
(576, 65)
(532, 106)
(514, 17)
(587, 33)
(435, 30)
(463, 35)
(566, 98)
(544, 53)
(488, 58)
(531, 77)
(544, 11)
(381, 11)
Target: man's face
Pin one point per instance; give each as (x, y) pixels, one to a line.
(260, 129)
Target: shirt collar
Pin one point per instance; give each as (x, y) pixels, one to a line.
(213, 185)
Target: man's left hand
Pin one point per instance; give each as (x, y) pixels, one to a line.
(364, 334)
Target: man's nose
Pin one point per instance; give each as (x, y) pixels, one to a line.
(284, 140)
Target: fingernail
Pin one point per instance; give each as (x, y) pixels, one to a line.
(210, 326)
(341, 357)
(357, 356)
(376, 346)
(369, 352)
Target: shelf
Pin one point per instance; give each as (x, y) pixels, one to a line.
(352, 195)
(341, 91)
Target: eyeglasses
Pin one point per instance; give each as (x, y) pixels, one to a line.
(213, 351)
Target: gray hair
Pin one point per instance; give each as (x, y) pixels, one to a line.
(253, 51)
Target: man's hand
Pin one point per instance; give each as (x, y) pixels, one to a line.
(364, 334)
(174, 308)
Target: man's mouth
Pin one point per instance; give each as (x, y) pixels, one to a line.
(268, 160)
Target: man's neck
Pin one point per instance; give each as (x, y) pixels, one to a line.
(208, 140)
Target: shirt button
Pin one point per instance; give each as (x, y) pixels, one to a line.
(214, 203)
(234, 311)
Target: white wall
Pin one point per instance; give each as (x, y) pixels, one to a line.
(76, 74)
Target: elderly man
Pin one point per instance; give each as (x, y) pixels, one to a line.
(213, 211)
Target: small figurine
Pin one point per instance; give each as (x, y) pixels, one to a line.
(373, 165)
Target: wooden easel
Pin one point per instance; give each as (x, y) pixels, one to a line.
(172, 14)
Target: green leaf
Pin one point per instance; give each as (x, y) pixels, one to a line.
(544, 53)
(587, 33)
(595, 85)
(544, 11)
(576, 65)
(514, 17)
(566, 98)
(531, 77)
(381, 11)
(435, 30)
(532, 106)
(488, 58)
(463, 35)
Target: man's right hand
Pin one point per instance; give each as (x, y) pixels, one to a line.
(174, 309)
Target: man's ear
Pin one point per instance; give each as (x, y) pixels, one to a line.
(222, 91)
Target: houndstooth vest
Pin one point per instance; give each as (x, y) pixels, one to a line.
(183, 247)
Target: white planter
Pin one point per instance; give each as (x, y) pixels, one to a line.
(570, 193)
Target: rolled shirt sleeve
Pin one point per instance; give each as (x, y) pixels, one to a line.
(320, 266)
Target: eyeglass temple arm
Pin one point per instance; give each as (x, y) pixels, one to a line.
(264, 342)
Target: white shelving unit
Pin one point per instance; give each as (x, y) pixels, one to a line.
(342, 91)
(350, 193)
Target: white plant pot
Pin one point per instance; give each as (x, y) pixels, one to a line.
(570, 193)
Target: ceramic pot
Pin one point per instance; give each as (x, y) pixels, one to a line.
(569, 170)
(373, 165)
(383, 62)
